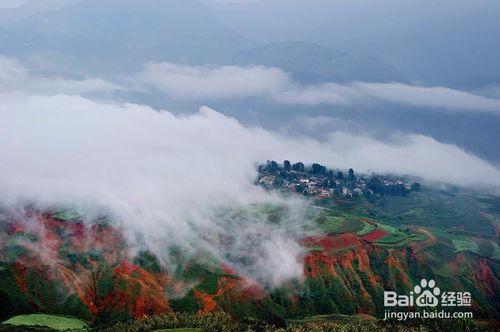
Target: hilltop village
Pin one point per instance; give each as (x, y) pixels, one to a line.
(322, 183)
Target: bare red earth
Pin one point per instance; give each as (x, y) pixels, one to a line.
(141, 293)
(332, 242)
(375, 235)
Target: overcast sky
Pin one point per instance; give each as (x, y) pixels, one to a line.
(11, 3)
(17, 3)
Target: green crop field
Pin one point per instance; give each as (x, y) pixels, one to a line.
(57, 323)
(336, 221)
(367, 229)
(460, 212)
(464, 243)
(394, 236)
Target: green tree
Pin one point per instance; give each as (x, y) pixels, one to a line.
(351, 175)
(287, 165)
(298, 167)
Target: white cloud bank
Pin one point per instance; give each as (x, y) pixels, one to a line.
(205, 83)
(216, 82)
(165, 176)
(404, 94)
(15, 77)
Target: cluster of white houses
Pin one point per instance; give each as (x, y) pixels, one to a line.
(326, 184)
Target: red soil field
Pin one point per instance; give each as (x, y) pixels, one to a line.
(375, 235)
(332, 242)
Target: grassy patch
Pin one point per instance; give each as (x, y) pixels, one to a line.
(460, 213)
(418, 237)
(57, 323)
(394, 236)
(367, 229)
(464, 244)
(336, 222)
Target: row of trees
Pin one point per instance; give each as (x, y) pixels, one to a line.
(331, 179)
(316, 169)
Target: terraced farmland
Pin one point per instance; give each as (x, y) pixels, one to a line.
(337, 220)
(459, 213)
(340, 224)
(352, 251)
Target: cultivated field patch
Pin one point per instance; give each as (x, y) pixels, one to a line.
(58, 323)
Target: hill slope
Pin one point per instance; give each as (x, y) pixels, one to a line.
(313, 63)
(87, 270)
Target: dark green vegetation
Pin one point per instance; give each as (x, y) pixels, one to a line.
(333, 323)
(223, 322)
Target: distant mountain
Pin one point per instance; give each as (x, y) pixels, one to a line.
(116, 34)
(313, 63)
(449, 42)
(446, 42)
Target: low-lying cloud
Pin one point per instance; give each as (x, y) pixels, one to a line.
(164, 177)
(213, 82)
(226, 82)
(167, 177)
(15, 77)
(207, 83)
(404, 94)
